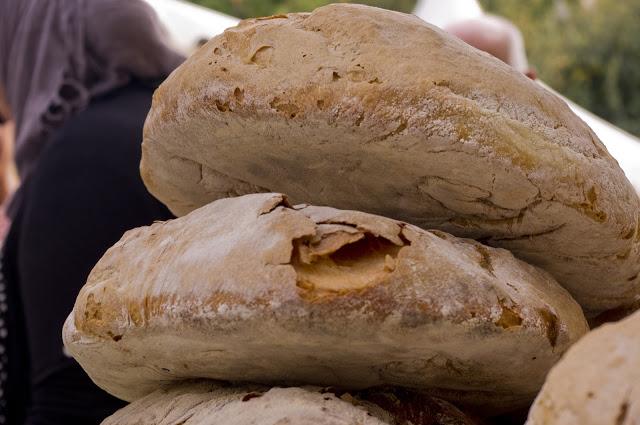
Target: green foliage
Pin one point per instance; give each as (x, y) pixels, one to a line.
(589, 53)
(253, 8)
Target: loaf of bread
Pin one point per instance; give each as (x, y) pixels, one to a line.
(251, 289)
(210, 404)
(361, 108)
(597, 382)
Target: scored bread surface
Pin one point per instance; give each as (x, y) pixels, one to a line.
(207, 404)
(361, 108)
(251, 289)
(211, 404)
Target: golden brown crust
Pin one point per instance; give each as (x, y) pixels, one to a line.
(251, 289)
(361, 108)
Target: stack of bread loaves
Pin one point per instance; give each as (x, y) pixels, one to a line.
(376, 126)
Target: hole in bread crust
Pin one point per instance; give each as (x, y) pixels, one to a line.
(262, 56)
(238, 93)
(509, 317)
(340, 259)
(114, 337)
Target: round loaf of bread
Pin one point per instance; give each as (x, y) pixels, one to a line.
(250, 289)
(597, 382)
(210, 404)
(361, 108)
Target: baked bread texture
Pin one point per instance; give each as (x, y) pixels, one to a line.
(597, 382)
(210, 404)
(250, 289)
(366, 109)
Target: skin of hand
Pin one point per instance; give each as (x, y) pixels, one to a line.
(9, 180)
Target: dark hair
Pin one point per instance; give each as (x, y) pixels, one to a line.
(5, 112)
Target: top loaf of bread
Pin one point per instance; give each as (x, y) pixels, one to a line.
(362, 108)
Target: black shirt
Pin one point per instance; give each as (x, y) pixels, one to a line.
(84, 193)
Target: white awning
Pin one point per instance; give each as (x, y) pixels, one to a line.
(189, 23)
(444, 12)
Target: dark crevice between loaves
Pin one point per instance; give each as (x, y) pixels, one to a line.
(251, 396)
(405, 406)
(529, 235)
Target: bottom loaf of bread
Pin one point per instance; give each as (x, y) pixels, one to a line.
(210, 403)
(252, 289)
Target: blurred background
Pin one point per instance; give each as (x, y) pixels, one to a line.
(588, 50)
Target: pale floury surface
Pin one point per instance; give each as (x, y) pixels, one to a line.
(597, 382)
(251, 289)
(207, 405)
(366, 109)
(210, 404)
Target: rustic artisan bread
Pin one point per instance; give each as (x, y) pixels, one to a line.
(361, 108)
(597, 382)
(250, 289)
(209, 404)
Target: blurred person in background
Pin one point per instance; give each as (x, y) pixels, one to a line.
(8, 173)
(79, 76)
(496, 36)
